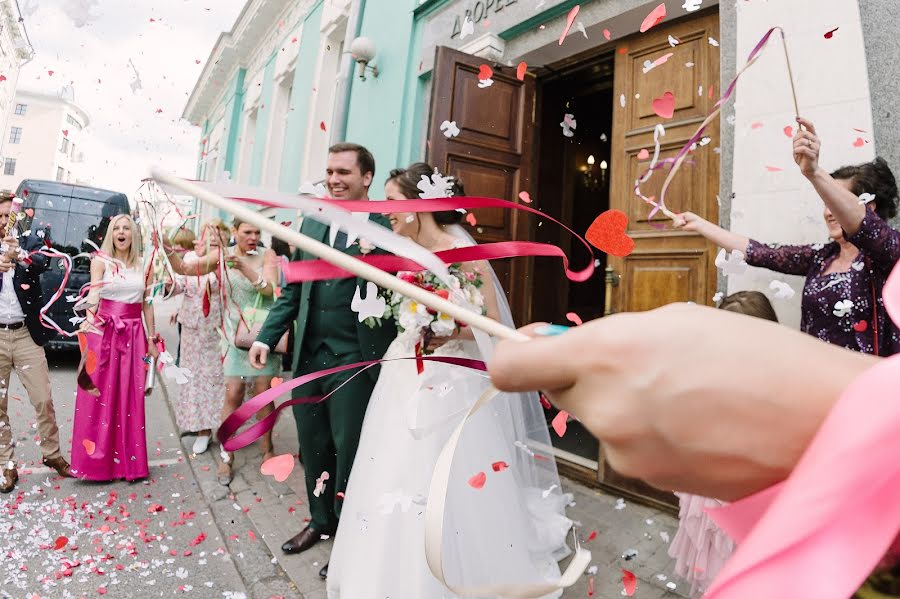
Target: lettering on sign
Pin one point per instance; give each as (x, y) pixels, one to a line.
(479, 12)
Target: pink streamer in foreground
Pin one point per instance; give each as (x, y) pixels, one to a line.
(821, 532)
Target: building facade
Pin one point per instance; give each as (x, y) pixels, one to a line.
(44, 140)
(573, 120)
(15, 52)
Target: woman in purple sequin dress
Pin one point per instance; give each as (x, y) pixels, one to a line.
(842, 301)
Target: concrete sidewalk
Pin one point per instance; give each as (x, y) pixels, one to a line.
(629, 536)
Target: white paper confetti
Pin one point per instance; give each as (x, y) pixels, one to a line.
(691, 5)
(467, 29)
(372, 306)
(782, 290)
(732, 264)
(450, 129)
(568, 125)
(843, 308)
(865, 198)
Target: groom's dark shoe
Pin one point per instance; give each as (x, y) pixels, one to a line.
(323, 573)
(302, 541)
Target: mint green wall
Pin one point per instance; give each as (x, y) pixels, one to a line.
(234, 106)
(298, 117)
(262, 122)
(378, 116)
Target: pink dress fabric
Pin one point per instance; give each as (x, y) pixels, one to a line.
(114, 420)
(700, 548)
(836, 518)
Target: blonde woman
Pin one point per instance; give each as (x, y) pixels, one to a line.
(251, 275)
(199, 405)
(108, 438)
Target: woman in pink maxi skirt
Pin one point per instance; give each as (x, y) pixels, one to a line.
(109, 440)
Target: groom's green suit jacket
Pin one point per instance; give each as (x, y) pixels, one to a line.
(294, 306)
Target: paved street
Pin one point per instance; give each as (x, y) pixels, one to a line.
(183, 533)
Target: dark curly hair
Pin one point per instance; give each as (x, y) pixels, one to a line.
(876, 178)
(407, 179)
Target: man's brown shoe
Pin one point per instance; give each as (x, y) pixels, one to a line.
(302, 541)
(9, 480)
(60, 465)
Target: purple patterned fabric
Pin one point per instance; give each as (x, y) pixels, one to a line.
(879, 250)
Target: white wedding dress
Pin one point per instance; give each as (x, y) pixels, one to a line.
(512, 529)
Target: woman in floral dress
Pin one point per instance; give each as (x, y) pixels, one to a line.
(199, 405)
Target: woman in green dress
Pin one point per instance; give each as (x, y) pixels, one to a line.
(249, 279)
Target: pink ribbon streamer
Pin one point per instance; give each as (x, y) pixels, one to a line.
(508, 250)
(821, 532)
(227, 431)
(320, 270)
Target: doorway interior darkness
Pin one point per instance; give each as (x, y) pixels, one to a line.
(573, 176)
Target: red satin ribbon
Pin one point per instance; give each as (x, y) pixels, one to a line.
(508, 249)
(320, 270)
(227, 432)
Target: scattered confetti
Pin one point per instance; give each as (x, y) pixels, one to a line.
(859, 142)
(673, 41)
(731, 264)
(861, 326)
(477, 481)
(499, 466)
(664, 107)
(629, 582)
(279, 467)
(560, 423)
(691, 5)
(450, 129)
(320, 484)
(60, 543)
(649, 66)
(713, 42)
(655, 17)
(865, 198)
(843, 308)
(467, 29)
(569, 21)
(774, 169)
(830, 34)
(789, 132)
(568, 125)
(372, 306)
(782, 290)
(89, 446)
(572, 317)
(525, 197)
(521, 70)
(607, 34)
(608, 234)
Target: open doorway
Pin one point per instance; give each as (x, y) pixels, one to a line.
(573, 176)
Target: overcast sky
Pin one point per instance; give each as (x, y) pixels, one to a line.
(88, 44)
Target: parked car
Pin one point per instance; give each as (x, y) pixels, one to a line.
(70, 214)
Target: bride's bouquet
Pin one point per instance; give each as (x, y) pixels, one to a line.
(409, 314)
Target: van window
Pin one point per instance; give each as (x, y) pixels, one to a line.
(68, 230)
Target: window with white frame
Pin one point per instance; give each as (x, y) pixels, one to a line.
(60, 173)
(15, 135)
(9, 166)
(71, 120)
(21, 108)
(64, 145)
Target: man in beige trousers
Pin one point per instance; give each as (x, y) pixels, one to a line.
(21, 339)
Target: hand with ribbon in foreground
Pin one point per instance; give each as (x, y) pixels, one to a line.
(751, 405)
(688, 398)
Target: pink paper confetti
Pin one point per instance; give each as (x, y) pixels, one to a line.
(756, 125)
(560, 423)
(789, 132)
(570, 20)
(521, 70)
(525, 197)
(279, 467)
(774, 169)
(470, 218)
(477, 481)
(574, 318)
(629, 581)
(485, 72)
(860, 142)
(499, 466)
(664, 106)
(654, 18)
(607, 34)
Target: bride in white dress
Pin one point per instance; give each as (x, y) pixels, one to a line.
(505, 518)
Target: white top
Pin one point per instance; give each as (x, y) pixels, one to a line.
(126, 286)
(10, 309)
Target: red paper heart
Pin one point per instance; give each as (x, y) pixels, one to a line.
(2, 77)
(65, 132)
(89, 446)
(60, 543)
(544, 401)
(525, 197)
(574, 318)
(521, 70)
(644, 154)
(789, 131)
(756, 125)
(830, 34)
(485, 72)
(470, 218)
(477, 481)
(607, 234)
(591, 536)
(561, 422)
(25, 286)
(861, 326)
(279, 467)
(276, 380)
(629, 581)
(654, 18)
(860, 142)
(664, 107)
(322, 125)
(50, 73)
(499, 466)
(90, 362)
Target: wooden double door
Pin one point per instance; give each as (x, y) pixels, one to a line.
(499, 150)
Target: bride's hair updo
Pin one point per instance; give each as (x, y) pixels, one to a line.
(407, 179)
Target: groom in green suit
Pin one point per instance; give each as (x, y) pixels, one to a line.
(329, 334)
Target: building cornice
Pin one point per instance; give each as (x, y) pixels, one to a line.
(52, 99)
(234, 49)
